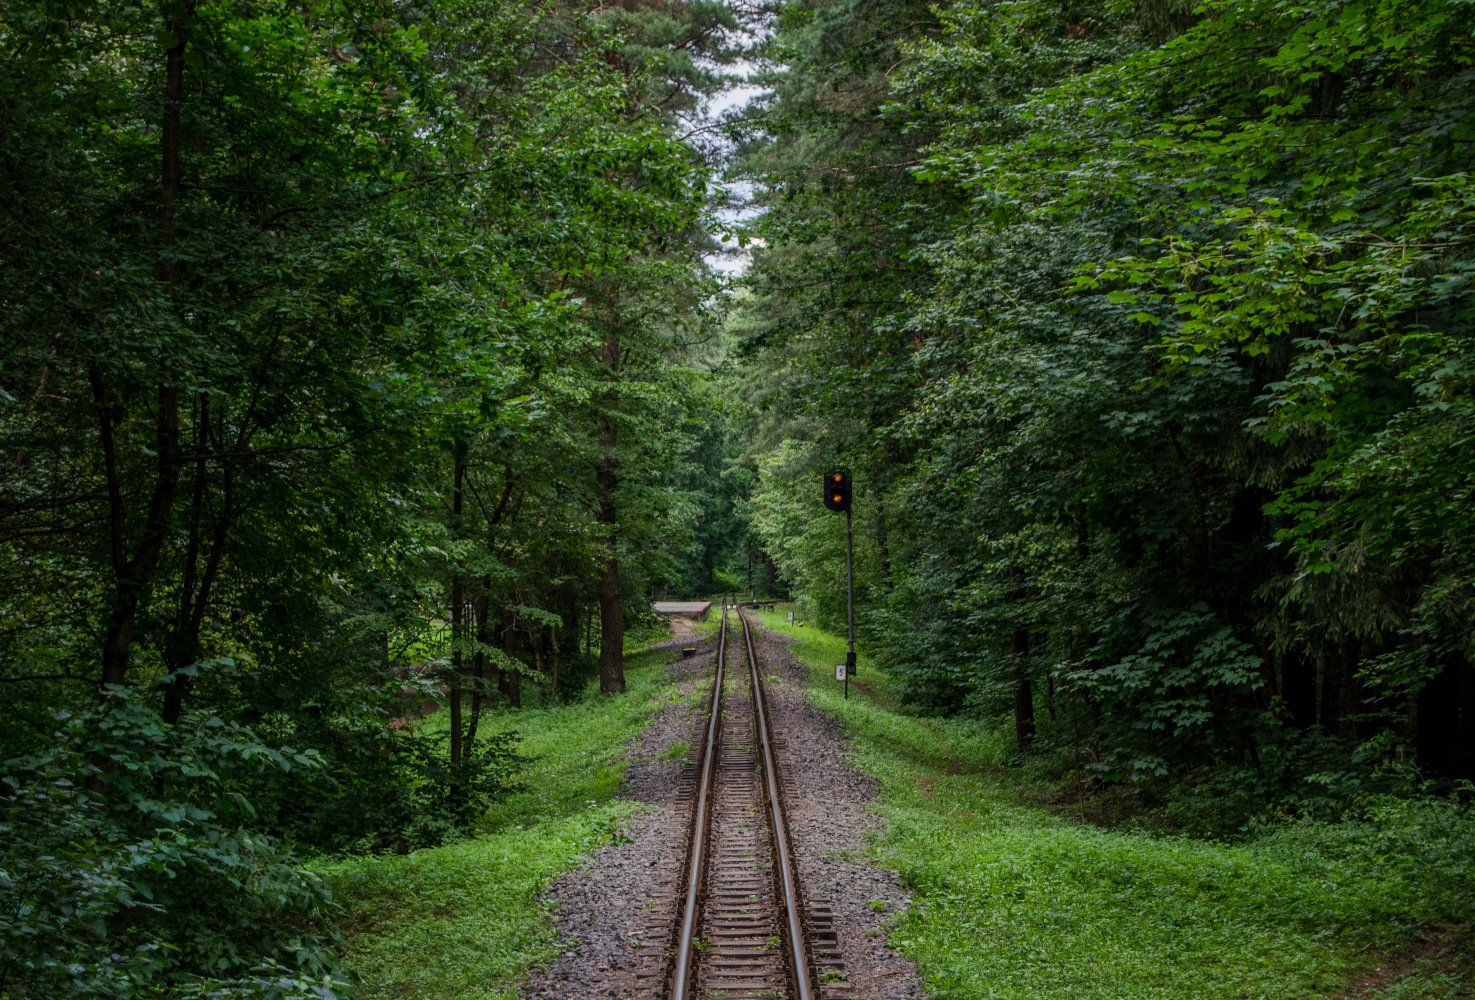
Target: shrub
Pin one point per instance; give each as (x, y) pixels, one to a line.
(390, 789)
(128, 864)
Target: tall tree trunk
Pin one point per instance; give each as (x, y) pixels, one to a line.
(184, 644)
(553, 683)
(131, 577)
(479, 661)
(611, 631)
(453, 694)
(179, 657)
(611, 613)
(1024, 698)
(535, 637)
(511, 679)
(488, 676)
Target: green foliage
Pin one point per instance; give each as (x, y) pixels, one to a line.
(1145, 331)
(463, 920)
(1013, 900)
(643, 627)
(326, 326)
(130, 862)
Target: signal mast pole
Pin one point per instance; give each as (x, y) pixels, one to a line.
(837, 499)
(849, 605)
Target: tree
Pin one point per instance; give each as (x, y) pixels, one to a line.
(1135, 313)
(300, 390)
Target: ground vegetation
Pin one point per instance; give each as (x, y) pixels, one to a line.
(1014, 895)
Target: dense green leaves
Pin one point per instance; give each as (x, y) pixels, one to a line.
(345, 355)
(1147, 329)
(130, 851)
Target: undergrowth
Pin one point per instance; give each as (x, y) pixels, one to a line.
(1012, 899)
(463, 921)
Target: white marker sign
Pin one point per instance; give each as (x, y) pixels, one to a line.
(839, 671)
(791, 616)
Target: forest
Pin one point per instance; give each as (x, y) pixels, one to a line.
(370, 367)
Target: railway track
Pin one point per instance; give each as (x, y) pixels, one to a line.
(735, 927)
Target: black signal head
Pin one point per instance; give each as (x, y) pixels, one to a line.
(837, 491)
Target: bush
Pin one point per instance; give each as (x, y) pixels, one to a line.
(1425, 844)
(643, 627)
(128, 865)
(391, 789)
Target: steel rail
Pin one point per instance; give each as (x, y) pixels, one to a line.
(682, 979)
(799, 963)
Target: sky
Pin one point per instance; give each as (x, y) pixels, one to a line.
(734, 260)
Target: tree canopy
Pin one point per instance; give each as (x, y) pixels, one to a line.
(1145, 328)
(343, 369)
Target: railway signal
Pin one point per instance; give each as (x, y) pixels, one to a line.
(837, 492)
(837, 499)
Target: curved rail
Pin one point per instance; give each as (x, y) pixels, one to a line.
(797, 958)
(681, 982)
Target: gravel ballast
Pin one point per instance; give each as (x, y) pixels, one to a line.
(604, 907)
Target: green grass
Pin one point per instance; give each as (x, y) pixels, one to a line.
(1012, 900)
(1431, 978)
(464, 921)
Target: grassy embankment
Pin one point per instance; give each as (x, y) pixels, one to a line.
(463, 921)
(1013, 900)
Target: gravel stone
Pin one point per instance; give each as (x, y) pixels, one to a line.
(601, 907)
